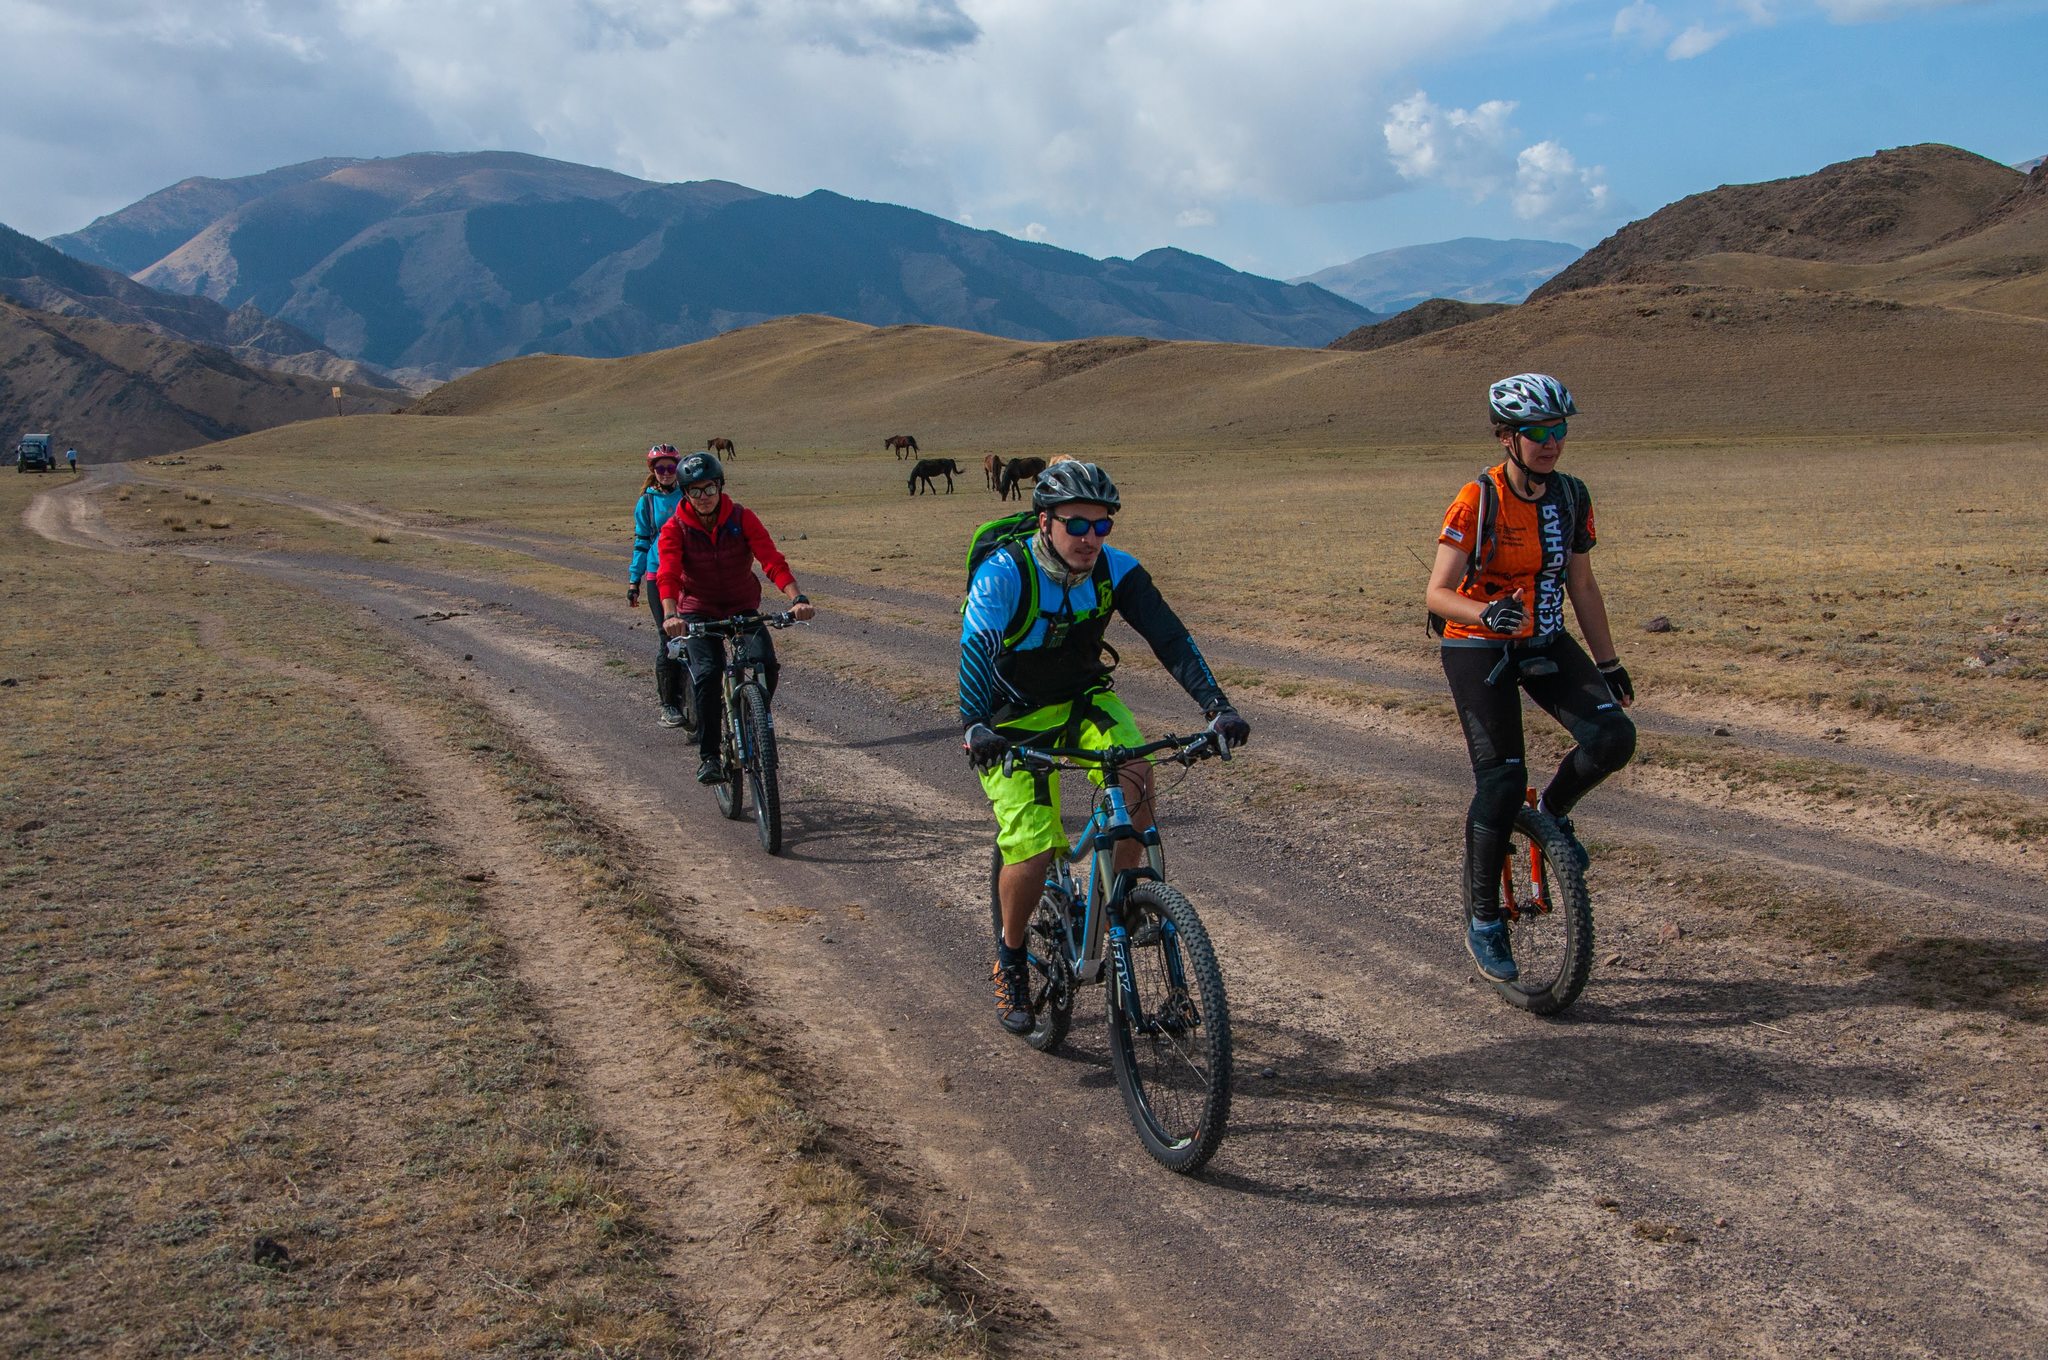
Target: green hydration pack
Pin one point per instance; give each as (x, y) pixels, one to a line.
(1012, 535)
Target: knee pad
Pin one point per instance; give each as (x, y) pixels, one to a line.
(1610, 745)
(1500, 789)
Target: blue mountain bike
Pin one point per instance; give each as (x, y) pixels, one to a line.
(1169, 1021)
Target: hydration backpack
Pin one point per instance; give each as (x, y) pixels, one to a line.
(1011, 535)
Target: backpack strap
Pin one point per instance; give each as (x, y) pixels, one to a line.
(1028, 601)
(1485, 530)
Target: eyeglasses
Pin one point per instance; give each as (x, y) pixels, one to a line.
(1542, 434)
(1078, 526)
(703, 489)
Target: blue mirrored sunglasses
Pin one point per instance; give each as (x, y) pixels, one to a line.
(1542, 434)
(1078, 526)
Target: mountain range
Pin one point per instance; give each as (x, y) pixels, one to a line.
(1469, 269)
(36, 276)
(436, 264)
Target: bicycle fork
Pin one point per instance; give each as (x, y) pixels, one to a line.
(1539, 901)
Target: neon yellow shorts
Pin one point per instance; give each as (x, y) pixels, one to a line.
(1027, 804)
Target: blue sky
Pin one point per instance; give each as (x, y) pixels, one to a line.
(1280, 137)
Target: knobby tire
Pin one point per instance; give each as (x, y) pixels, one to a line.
(1553, 949)
(1176, 1079)
(1052, 973)
(757, 746)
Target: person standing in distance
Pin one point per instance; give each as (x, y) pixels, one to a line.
(1513, 548)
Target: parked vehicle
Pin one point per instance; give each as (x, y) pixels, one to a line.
(35, 453)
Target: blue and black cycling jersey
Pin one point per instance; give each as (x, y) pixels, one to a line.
(1027, 642)
(650, 512)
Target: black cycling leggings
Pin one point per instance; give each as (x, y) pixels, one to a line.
(1577, 696)
(706, 656)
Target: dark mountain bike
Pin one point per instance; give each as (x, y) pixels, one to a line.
(1549, 914)
(1169, 1021)
(748, 751)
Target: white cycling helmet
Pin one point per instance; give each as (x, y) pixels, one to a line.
(1529, 399)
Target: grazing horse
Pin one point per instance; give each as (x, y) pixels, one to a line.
(903, 444)
(721, 446)
(924, 469)
(992, 468)
(1015, 473)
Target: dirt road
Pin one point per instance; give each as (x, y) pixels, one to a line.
(1731, 1147)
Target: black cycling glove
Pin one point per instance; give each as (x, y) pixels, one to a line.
(1229, 724)
(1618, 684)
(633, 593)
(984, 748)
(1504, 616)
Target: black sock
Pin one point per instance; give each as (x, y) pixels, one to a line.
(1009, 956)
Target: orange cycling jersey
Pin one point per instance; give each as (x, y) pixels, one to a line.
(1531, 541)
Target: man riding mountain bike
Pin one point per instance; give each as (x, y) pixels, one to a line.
(705, 571)
(1034, 668)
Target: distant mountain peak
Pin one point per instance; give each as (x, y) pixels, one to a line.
(1470, 269)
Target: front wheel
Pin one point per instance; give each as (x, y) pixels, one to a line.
(731, 787)
(1169, 1030)
(757, 757)
(1550, 917)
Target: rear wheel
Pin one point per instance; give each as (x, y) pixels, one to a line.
(1169, 1034)
(1550, 917)
(758, 759)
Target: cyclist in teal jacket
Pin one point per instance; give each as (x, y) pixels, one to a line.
(658, 499)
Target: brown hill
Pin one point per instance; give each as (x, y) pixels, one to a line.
(1645, 361)
(119, 391)
(1863, 211)
(1423, 318)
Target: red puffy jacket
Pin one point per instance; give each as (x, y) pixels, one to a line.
(711, 571)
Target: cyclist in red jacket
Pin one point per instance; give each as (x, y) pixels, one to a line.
(706, 554)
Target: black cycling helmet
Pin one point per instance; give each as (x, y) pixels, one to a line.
(701, 467)
(1074, 481)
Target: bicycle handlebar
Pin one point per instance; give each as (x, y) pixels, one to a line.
(1186, 751)
(737, 626)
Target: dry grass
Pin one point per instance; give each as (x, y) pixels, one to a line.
(1900, 578)
(248, 999)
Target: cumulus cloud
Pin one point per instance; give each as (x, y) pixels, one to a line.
(1642, 22)
(1697, 40)
(1123, 114)
(1473, 152)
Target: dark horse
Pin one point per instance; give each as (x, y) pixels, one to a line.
(720, 446)
(924, 469)
(992, 468)
(1016, 472)
(903, 444)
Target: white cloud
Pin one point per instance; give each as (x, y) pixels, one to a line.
(1115, 113)
(1195, 217)
(1642, 22)
(1695, 41)
(1553, 188)
(1871, 11)
(1472, 151)
(1035, 231)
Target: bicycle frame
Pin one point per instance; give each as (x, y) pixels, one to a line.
(1101, 933)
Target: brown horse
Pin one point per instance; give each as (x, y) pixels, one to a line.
(721, 446)
(924, 469)
(1016, 472)
(992, 468)
(903, 444)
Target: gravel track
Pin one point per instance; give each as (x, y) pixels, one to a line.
(1717, 1153)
